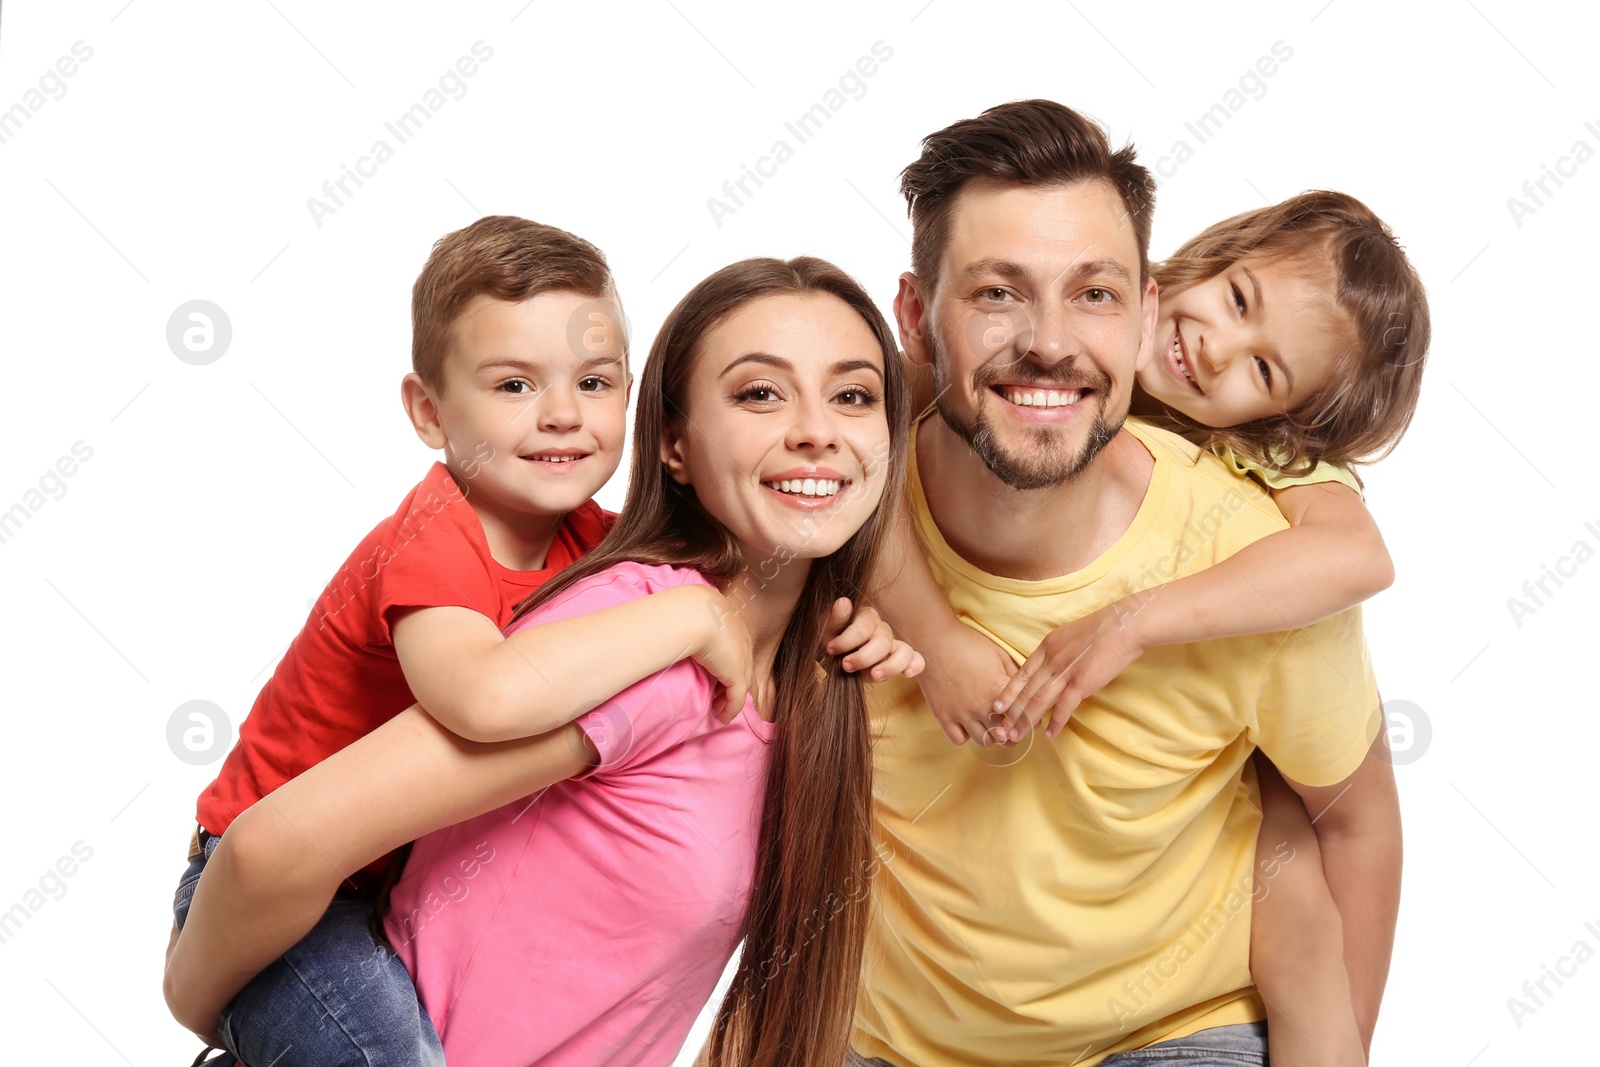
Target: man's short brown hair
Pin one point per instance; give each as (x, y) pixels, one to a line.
(501, 256)
(1025, 142)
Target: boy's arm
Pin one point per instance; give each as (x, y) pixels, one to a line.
(487, 687)
(273, 873)
(1358, 830)
(1330, 559)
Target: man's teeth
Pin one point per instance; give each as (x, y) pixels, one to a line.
(1177, 357)
(807, 486)
(1044, 398)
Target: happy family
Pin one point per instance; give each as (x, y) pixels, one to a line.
(1035, 728)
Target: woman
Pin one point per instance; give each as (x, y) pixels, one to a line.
(771, 422)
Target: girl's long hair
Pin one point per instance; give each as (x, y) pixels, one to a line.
(793, 996)
(1361, 413)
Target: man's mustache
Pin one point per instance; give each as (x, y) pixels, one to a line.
(1061, 376)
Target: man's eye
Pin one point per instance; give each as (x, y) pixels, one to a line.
(1098, 296)
(996, 294)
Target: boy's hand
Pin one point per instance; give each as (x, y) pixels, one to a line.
(866, 641)
(1071, 663)
(966, 671)
(725, 651)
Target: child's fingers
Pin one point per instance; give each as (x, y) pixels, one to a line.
(918, 664)
(1029, 713)
(896, 661)
(838, 619)
(1025, 674)
(857, 632)
(954, 731)
(1058, 719)
(873, 651)
(1026, 700)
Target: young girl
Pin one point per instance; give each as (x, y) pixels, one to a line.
(588, 922)
(1291, 341)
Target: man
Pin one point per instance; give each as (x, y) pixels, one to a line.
(1063, 900)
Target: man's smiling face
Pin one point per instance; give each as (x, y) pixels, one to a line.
(1036, 325)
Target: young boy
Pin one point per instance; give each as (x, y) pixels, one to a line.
(520, 377)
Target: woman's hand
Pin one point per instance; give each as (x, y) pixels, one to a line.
(867, 643)
(1071, 663)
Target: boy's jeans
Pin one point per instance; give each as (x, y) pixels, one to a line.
(339, 998)
(1244, 1045)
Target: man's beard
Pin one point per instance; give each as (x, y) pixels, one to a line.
(1052, 461)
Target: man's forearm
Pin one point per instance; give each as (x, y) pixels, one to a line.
(1362, 866)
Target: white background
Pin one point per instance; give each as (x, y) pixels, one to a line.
(181, 557)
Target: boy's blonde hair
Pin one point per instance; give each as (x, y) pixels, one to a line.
(502, 256)
(1364, 409)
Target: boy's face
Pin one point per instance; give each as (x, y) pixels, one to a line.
(1036, 325)
(534, 402)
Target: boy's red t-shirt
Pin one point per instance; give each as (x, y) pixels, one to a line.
(340, 678)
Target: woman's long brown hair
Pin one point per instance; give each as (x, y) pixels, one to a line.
(793, 996)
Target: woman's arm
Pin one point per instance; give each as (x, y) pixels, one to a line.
(1330, 559)
(275, 870)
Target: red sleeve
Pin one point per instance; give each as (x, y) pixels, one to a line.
(432, 558)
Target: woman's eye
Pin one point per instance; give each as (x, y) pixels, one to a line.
(759, 394)
(1266, 371)
(1238, 298)
(858, 397)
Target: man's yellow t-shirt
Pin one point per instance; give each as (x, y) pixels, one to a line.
(1056, 901)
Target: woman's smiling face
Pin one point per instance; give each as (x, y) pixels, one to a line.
(786, 437)
(1254, 341)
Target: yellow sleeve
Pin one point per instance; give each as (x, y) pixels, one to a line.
(1271, 479)
(1317, 710)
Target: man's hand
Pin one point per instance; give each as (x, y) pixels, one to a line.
(867, 643)
(1072, 662)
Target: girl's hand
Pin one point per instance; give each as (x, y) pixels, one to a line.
(966, 671)
(724, 650)
(866, 641)
(1071, 663)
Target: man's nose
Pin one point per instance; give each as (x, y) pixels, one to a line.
(1048, 335)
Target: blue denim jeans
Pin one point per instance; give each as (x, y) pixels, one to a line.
(339, 998)
(1244, 1045)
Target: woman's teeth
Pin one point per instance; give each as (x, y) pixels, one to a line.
(1043, 398)
(806, 486)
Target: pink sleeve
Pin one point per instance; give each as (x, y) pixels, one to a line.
(654, 714)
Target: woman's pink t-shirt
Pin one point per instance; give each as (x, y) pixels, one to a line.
(588, 924)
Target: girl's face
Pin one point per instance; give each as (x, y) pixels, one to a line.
(786, 437)
(1252, 342)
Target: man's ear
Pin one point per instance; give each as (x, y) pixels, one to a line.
(422, 407)
(911, 315)
(672, 452)
(1150, 311)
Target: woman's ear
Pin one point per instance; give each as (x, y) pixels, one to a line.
(672, 452)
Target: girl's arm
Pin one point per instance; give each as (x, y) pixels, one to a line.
(488, 687)
(280, 862)
(965, 671)
(1330, 559)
